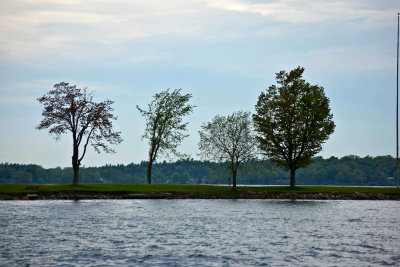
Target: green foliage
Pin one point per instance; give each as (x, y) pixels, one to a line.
(197, 191)
(164, 127)
(228, 139)
(292, 120)
(348, 170)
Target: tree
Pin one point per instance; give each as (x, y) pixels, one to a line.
(292, 121)
(70, 109)
(21, 177)
(228, 139)
(164, 126)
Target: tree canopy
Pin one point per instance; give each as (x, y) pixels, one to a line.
(70, 109)
(348, 170)
(228, 139)
(165, 128)
(292, 120)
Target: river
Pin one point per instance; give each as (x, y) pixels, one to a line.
(199, 233)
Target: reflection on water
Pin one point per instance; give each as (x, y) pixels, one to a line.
(199, 232)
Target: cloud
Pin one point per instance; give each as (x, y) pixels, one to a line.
(85, 30)
(304, 11)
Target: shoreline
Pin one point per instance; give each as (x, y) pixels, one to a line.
(166, 195)
(174, 191)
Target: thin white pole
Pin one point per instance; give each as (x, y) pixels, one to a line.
(397, 107)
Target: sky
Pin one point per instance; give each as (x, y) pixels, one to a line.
(224, 53)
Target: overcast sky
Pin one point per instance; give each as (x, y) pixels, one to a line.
(223, 52)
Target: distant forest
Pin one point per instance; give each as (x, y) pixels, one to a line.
(348, 170)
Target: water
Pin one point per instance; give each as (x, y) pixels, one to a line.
(199, 233)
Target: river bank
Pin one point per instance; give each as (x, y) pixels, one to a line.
(140, 191)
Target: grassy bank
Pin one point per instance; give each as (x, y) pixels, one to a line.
(23, 191)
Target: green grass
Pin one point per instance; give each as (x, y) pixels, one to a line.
(199, 190)
(193, 190)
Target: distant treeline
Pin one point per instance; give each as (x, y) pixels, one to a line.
(348, 170)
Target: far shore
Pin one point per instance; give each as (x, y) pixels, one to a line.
(167, 191)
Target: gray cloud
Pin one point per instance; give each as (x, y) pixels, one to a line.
(85, 29)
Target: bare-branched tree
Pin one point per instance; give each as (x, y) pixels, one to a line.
(229, 139)
(70, 109)
(164, 127)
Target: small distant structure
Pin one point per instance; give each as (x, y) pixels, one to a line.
(391, 181)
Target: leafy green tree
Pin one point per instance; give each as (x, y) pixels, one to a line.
(70, 109)
(5, 173)
(292, 121)
(348, 170)
(164, 127)
(228, 139)
(21, 177)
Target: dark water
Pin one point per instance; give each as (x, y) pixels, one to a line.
(199, 233)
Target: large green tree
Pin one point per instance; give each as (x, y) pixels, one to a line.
(165, 128)
(228, 139)
(292, 120)
(67, 108)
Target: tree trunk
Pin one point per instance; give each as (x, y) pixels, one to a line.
(76, 174)
(234, 180)
(292, 177)
(149, 165)
(75, 162)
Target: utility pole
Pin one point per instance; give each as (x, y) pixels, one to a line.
(397, 108)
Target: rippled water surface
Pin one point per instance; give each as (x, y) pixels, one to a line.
(199, 233)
